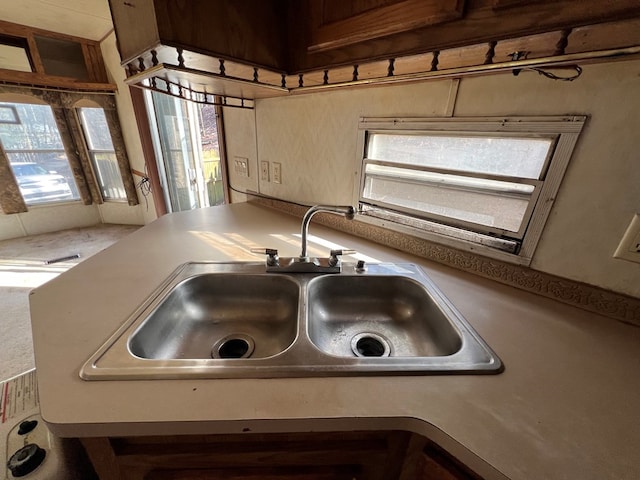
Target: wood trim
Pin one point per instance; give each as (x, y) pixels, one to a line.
(43, 80)
(94, 62)
(144, 130)
(34, 54)
(594, 299)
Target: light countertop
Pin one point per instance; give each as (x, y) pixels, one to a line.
(566, 406)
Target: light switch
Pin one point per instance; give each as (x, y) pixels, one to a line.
(241, 166)
(264, 171)
(277, 172)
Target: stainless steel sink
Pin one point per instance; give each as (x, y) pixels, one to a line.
(375, 316)
(221, 315)
(234, 320)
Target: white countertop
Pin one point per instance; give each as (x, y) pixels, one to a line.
(566, 406)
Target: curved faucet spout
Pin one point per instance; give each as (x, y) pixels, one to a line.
(347, 211)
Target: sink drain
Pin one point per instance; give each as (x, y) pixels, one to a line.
(233, 346)
(370, 345)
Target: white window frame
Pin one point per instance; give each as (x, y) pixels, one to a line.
(517, 247)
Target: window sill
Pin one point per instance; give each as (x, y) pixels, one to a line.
(53, 204)
(446, 240)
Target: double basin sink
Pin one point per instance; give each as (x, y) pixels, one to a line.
(234, 320)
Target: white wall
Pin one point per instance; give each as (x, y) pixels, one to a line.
(315, 139)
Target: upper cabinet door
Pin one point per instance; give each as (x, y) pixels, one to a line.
(336, 23)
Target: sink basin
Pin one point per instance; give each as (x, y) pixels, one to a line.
(234, 320)
(376, 316)
(211, 316)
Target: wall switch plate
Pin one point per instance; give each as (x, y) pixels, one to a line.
(264, 170)
(629, 248)
(277, 172)
(241, 166)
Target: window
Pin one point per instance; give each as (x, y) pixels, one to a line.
(481, 182)
(102, 154)
(186, 138)
(36, 154)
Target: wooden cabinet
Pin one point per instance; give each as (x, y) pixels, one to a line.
(373, 455)
(263, 48)
(250, 30)
(292, 36)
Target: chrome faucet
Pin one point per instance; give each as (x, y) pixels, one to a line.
(304, 263)
(349, 212)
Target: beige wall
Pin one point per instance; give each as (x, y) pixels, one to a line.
(315, 139)
(240, 142)
(48, 218)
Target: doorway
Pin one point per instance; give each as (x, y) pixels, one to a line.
(186, 137)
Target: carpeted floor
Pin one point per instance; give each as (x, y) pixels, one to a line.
(23, 267)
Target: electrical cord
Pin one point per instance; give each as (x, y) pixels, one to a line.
(267, 197)
(553, 76)
(144, 185)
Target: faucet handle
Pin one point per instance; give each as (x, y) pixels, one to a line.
(271, 253)
(334, 254)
